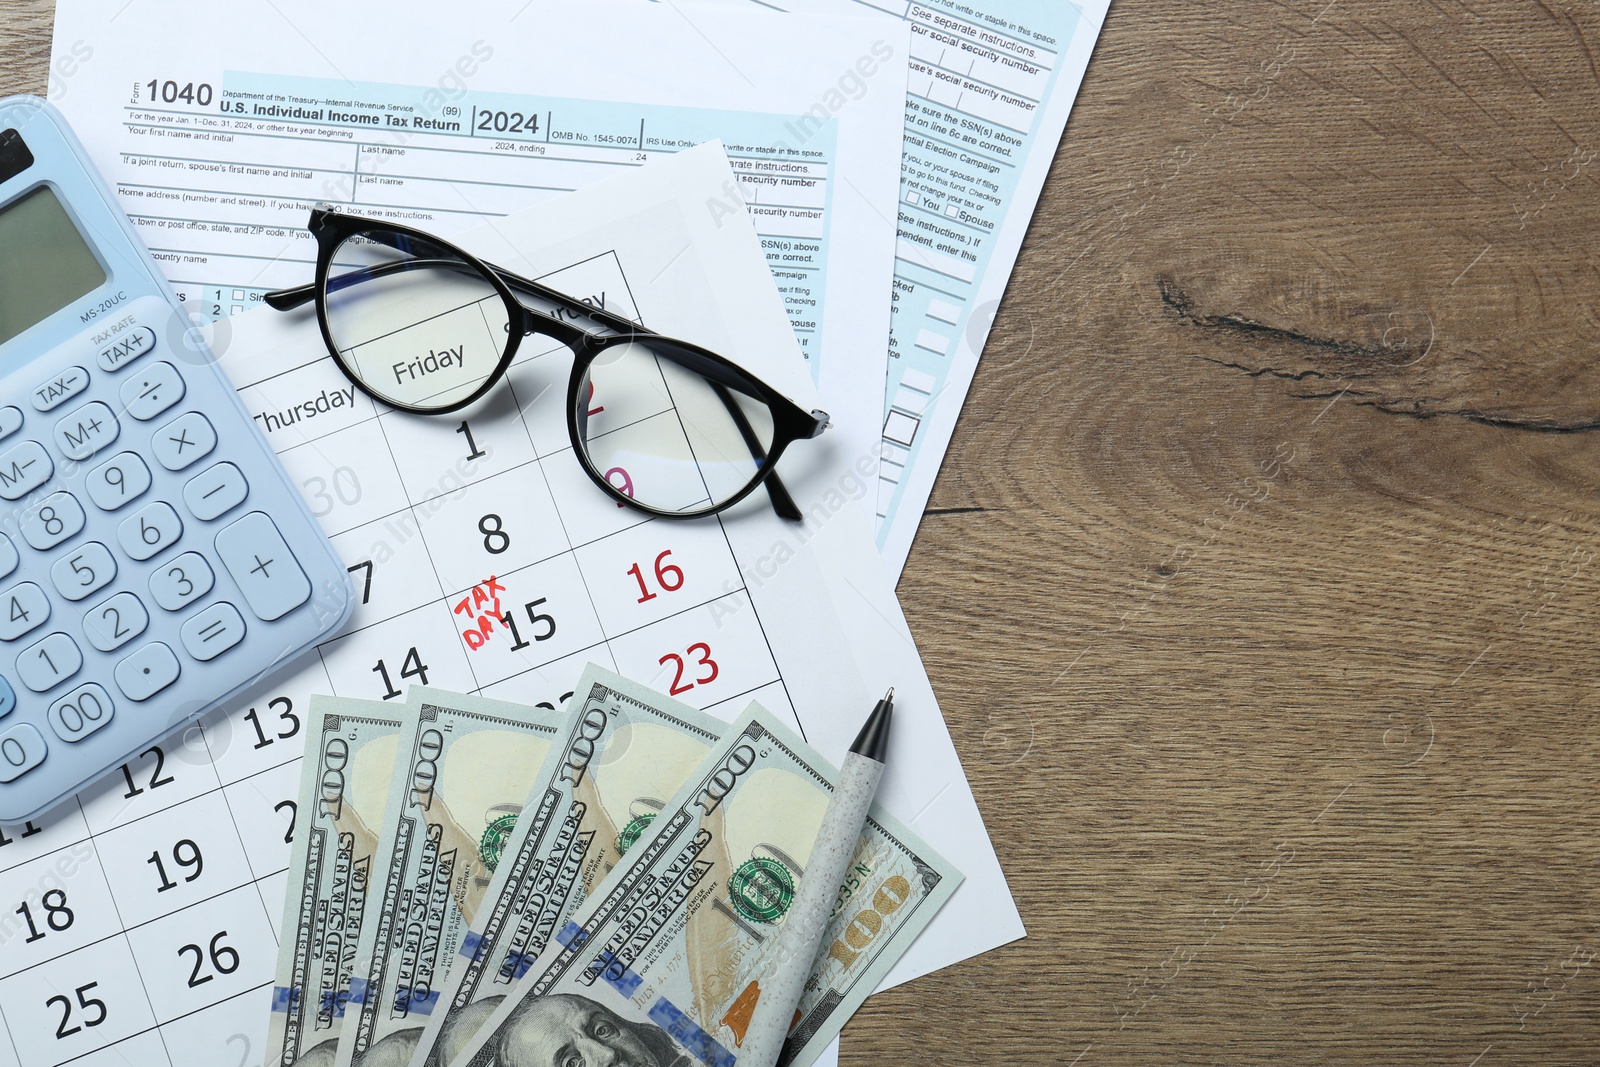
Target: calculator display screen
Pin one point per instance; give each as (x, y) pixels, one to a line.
(45, 264)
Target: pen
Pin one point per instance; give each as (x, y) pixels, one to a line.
(807, 920)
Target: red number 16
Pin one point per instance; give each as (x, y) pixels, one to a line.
(668, 575)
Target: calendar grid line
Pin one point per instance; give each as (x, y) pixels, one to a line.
(353, 630)
(379, 419)
(87, 944)
(75, 841)
(151, 814)
(160, 1035)
(626, 285)
(157, 1027)
(521, 360)
(234, 819)
(379, 416)
(605, 641)
(379, 410)
(276, 940)
(637, 422)
(773, 655)
(10, 1038)
(529, 670)
(574, 546)
(123, 931)
(427, 549)
(410, 507)
(678, 415)
(566, 532)
(619, 635)
(255, 773)
(123, 934)
(752, 689)
(205, 734)
(606, 644)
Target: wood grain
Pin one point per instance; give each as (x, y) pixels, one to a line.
(1260, 586)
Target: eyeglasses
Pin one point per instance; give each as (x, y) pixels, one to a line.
(661, 425)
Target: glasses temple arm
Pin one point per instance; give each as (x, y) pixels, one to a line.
(289, 299)
(782, 502)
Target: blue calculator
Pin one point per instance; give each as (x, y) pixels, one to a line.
(155, 559)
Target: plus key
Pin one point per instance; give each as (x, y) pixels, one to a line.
(263, 566)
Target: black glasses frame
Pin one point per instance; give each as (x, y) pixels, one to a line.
(791, 423)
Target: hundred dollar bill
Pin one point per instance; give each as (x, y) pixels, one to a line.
(462, 771)
(627, 750)
(661, 966)
(344, 785)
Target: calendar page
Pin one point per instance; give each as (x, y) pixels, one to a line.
(139, 922)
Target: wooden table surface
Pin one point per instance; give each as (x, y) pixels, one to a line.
(1259, 586)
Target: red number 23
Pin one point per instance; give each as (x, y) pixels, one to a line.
(705, 660)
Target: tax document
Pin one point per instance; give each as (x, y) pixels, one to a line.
(158, 894)
(218, 144)
(992, 83)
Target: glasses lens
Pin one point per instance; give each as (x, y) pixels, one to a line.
(667, 436)
(413, 321)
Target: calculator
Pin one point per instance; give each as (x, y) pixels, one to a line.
(155, 558)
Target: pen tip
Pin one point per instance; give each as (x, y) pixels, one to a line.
(873, 740)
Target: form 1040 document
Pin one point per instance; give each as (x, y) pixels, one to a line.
(218, 144)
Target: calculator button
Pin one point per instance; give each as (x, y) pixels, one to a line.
(86, 430)
(84, 571)
(80, 713)
(51, 521)
(215, 490)
(21, 750)
(183, 441)
(46, 664)
(113, 623)
(60, 389)
(146, 672)
(152, 391)
(22, 608)
(23, 469)
(118, 480)
(10, 421)
(127, 348)
(8, 698)
(212, 631)
(180, 582)
(8, 556)
(149, 530)
(266, 571)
